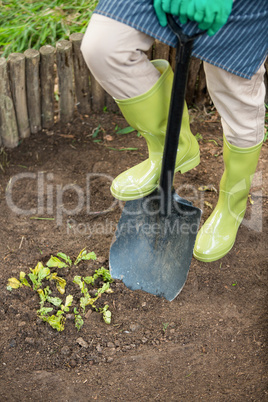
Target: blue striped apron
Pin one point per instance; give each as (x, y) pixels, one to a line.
(239, 47)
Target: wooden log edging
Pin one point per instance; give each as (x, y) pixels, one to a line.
(32, 58)
(16, 67)
(9, 135)
(81, 76)
(47, 82)
(28, 83)
(64, 58)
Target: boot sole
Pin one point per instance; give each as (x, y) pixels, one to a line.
(185, 167)
(207, 258)
(189, 165)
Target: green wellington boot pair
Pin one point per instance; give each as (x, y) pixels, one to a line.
(148, 113)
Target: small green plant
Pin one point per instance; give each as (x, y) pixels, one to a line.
(83, 255)
(87, 299)
(165, 326)
(78, 319)
(199, 137)
(52, 309)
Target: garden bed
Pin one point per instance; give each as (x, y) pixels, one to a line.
(208, 344)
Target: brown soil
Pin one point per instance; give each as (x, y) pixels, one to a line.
(208, 344)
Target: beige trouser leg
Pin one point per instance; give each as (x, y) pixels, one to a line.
(240, 102)
(114, 52)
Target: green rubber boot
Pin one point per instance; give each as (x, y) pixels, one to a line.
(217, 235)
(148, 113)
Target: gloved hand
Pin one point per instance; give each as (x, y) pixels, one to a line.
(210, 15)
(167, 6)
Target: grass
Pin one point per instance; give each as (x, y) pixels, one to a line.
(32, 23)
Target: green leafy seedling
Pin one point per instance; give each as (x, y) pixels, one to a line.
(23, 280)
(89, 280)
(43, 312)
(68, 302)
(13, 283)
(78, 320)
(199, 137)
(105, 274)
(83, 255)
(165, 326)
(60, 282)
(38, 274)
(106, 314)
(105, 288)
(66, 258)
(55, 262)
(57, 321)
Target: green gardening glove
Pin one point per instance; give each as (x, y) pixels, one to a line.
(163, 7)
(210, 15)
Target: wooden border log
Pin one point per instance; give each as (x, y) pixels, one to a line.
(81, 75)
(66, 80)
(47, 82)
(193, 72)
(149, 53)
(9, 135)
(201, 96)
(161, 50)
(172, 57)
(33, 89)
(97, 94)
(16, 66)
(110, 103)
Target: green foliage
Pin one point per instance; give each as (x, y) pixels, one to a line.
(83, 255)
(65, 258)
(78, 319)
(60, 282)
(55, 262)
(106, 314)
(31, 24)
(199, 137)
(165, 326)
(125, 130)
(52, 309)
(38, 274)
(86, 299)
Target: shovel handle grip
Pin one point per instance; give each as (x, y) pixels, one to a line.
(178, 31)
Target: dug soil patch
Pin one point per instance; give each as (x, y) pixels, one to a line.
(208, 344)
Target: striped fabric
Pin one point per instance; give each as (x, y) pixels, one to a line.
(240, 47)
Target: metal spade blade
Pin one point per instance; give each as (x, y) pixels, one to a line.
(153, 252)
